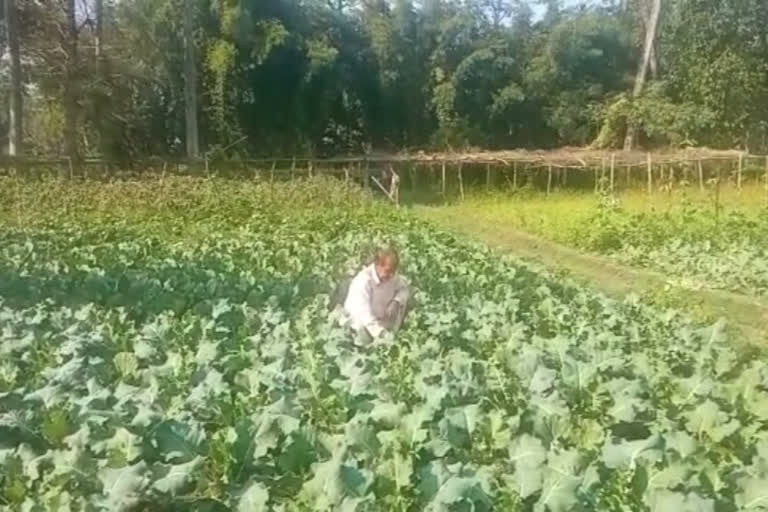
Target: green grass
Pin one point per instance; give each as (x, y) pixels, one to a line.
(564, 215)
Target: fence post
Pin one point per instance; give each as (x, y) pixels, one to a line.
(597, 180)
(442, 182)
(650, 173)
(488, 177)
(738, 175)
(549, 179)
(461, 181)
(701, 177)
(766, 181)
(514, 175)
(613, 166)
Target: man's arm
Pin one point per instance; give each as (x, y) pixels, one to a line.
(403, 292)
(358, 306)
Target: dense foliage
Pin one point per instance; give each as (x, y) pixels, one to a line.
(314, 76)
(163, 349)
(697, 246)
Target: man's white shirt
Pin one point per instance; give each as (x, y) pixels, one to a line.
(358, 304)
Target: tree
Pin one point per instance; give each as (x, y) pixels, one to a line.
(190, 81)
(15, 117)
(69, 34)
(650, 38)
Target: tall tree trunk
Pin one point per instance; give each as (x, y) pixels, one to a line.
(650, 37)
(99, 38)
(190, 82)
(15, 123)
(100, 95)
(72, 86)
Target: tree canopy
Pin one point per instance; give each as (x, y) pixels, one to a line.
(283, 77)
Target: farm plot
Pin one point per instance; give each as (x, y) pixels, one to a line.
(194, 366)
(689, 239)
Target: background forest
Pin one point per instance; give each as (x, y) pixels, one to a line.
(129, 78)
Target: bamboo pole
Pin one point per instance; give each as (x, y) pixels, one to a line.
(738, 174)
(701, 177)
(394, 186)
(766, 181)
(671, 180)
(613, 166)
(461, 182)
(662, 175)
(514, 175)
(549, 179)
(597, 180)
(442, 182)
(650, 173)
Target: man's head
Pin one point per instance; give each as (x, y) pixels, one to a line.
(385, 262)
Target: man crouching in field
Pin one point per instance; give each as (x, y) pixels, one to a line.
(377, 297)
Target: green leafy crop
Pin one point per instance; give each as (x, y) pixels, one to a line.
(141, 370)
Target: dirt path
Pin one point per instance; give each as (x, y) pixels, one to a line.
(747, 317)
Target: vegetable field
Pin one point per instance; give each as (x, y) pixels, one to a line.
(168, 346)
(697, 242)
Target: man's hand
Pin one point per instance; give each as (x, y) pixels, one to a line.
(393, 309)
(375, 329)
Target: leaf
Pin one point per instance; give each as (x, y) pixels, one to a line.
(457, 490)
(542, 380)
(123, 487)
(459, 423)
(528, 455)
(627, 399)
(709, 419)
(625, 454)
(667, 501)
(334, 480)
(386, 413)
(176, 440)
(126, 364)
(206, 352)
(752, 493)
(681, 442)
(396, 467)
(254, 498)
(298, 454)
(432, 477)
(177, 476)
(124, 442)
(561, 482)
(212, 386)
